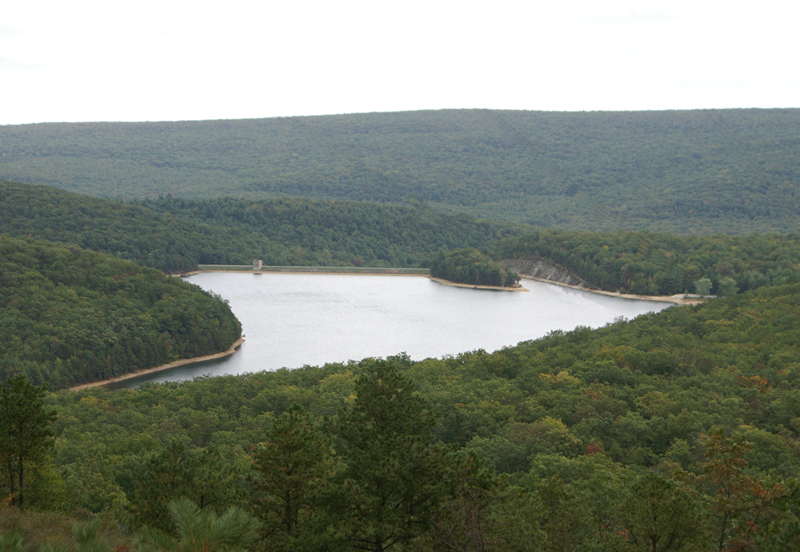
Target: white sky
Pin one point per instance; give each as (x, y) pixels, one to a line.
(136, 60)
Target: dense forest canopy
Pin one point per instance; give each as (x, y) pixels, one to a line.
(685, 172)
(590, 430)
(672, 431)
(470, 266)
(177, 234)
(72, 316)
(661, 264)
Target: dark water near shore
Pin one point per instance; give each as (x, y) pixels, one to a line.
(291, 320)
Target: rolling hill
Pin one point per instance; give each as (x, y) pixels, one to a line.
(686, 172)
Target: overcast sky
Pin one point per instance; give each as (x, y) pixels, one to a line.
(138, 60)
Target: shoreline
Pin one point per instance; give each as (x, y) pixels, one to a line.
(175, 364)
(359, 273)
(679, 299)
(474, 286)
(311, 272)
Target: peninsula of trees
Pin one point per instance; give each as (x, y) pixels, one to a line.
(470, 266)
(647, 263)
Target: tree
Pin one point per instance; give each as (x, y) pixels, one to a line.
(200, 530)
(702, 286)
(177, 472)
(395, 478)
(483, 513)
(738, 501)
(727, 286)
(659, 516)
(25, 434)
(289, 469)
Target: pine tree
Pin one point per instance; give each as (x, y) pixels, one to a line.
(25, 434)
(395, 476)
(200, 530)
(290, 469)
(176, 472)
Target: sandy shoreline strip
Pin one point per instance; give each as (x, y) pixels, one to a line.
(473, 286)
(679, 299)
(360, 273)
(182, 362)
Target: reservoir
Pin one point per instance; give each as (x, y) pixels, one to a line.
(291, 320)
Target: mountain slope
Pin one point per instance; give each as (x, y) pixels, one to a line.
(688, 172)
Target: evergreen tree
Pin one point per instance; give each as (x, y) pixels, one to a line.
(200, 530)
(177, 472)
(394, 479)
(290, 467)
(25, 434)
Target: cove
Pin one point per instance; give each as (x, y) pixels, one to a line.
(292, 320)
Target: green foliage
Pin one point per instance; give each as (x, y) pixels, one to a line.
(25, 434)
(702, 287)
(394, 477)
(89, 486)
(483, 513)
(687, 172)
(727, 286)
(70, 316)
(11, 542)
(177, 234)
(290, 469)
(739, 501)
(658, 515)
(88, 538)
(176, 472)
(31, 530)
(470, 266)
(199, 530)
(660, 264)
(338, 232)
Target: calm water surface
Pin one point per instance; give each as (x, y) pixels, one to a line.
(290, 320)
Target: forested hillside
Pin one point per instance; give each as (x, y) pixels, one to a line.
(660, 264)
(673, 431)
(685, 172)
(70, 316)
(687, 417)
(177, 234)
(343, 231)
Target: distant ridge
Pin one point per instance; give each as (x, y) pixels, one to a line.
(687, 172)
